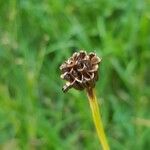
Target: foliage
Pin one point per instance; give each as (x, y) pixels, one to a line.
(36, 37)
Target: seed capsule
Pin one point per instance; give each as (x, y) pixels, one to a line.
(80, 71)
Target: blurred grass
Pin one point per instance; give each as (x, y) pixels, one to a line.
(36, 37)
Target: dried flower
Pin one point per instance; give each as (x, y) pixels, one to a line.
(80, 71)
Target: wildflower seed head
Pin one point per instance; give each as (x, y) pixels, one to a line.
(80, 71)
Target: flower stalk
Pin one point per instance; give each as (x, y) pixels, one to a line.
(97, 118)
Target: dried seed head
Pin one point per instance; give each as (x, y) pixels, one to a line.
(80, 71)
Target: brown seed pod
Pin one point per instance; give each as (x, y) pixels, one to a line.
(80, 71)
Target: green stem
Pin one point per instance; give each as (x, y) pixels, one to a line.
(97, 118)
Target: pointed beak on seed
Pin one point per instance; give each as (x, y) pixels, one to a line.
(80, 71)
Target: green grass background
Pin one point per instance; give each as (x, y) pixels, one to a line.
(37, 36)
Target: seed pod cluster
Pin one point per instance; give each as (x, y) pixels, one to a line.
(80, 71)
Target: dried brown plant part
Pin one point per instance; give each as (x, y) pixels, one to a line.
(81, 72)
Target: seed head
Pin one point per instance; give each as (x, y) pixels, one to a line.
(80, 71)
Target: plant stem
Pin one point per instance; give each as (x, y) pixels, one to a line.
(97, 118)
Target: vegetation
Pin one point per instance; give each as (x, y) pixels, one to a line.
(36, 37)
